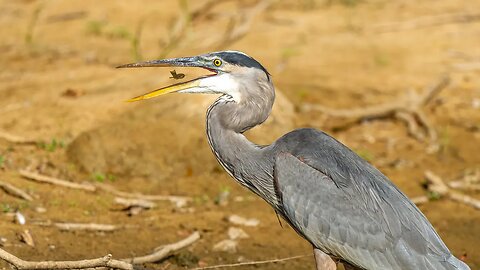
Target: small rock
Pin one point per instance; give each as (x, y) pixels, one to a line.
(134, 210)
(238, 220)
(27, 238)
(3, 241)
(72, 93)
(242, 259)
(188, 210)
(40, 210)
(238, 199)
(476, 103)
(202, 263)
(237, 233)
(226, 245)
(20, 218)
(179, 202)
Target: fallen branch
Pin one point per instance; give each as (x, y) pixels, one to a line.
(14, 191)
(86, 227)
(128, 203)
(469, 181)
(105, 262)
(466, 67)
(241, 23)
(437, 185)
(67, 16)
(164, 251)
(183, 21)
(423, 22)
(251, 263)
(407, 109)
(179, 201)
(464, 186)
(55, 181)
(15, 139)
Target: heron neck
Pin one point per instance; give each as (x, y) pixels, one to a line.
(247, 162)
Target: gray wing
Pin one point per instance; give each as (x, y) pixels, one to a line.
(347, 208)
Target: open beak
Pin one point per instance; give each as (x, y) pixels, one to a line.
(174, 62)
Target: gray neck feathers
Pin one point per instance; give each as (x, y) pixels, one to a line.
(248, 163)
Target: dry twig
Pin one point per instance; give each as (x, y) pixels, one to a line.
(105, 262)
(55, 181)
(86, 227)
(14, 138)
(407, 109)
(67, 16)
(437, 185)
(179, 201)
(128, 203)
(423, 22)
(464, 185)
(183, 21)
(165, 251)
(469, 181)
(251, 263)
(466, 67)
(14, 191)
(241, 23)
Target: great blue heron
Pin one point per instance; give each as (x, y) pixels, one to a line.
(347, 209)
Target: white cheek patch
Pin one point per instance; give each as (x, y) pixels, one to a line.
(223, 83)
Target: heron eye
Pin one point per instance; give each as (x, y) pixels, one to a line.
(217, 62)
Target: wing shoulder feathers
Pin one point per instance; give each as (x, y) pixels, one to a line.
(346, 207)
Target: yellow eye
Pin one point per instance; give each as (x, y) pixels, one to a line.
(217, 62)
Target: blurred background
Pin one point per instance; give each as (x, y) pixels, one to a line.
(396, 81)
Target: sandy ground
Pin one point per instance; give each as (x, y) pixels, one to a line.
(59, 88)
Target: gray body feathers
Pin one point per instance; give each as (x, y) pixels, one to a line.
(350, 210)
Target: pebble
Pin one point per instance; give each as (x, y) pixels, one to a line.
(227, 245)
(237, 233)
(20, 218)
(40, 209)
(238, 220)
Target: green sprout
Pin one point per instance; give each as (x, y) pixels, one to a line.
(222, 196)
(118, 32)
(102, 177)
(95, 28)
(6, 208)
(433, 196)
(31, 25)
(52, 145)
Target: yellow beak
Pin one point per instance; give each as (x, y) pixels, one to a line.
(168, 89)
(194, 61)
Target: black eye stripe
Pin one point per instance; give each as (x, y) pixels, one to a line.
(239, 59)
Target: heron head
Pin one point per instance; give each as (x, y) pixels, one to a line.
(230, 71)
